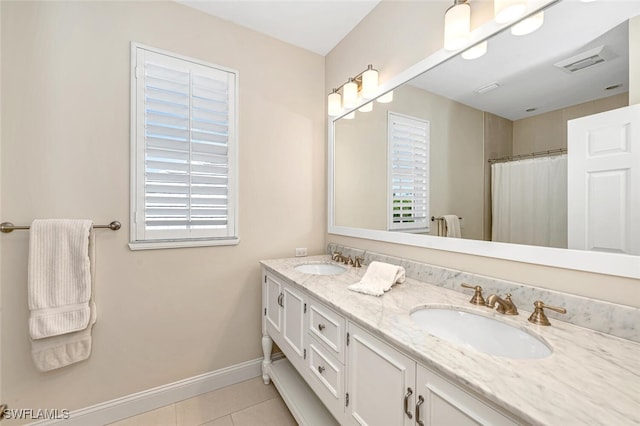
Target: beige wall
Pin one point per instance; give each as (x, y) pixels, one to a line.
(634, 60)
(394, 36)
(455, 141)
(163, 315)
(549, 130)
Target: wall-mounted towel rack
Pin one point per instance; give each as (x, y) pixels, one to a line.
(6, 227)
(440, 218)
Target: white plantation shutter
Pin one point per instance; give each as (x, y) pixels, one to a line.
(185, 148)
(408, 158)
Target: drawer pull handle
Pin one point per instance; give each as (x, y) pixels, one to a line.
(406, 402)
(321, 369)
(420, 402)
(321, 327)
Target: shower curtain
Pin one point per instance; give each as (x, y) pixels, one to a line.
(529, 201)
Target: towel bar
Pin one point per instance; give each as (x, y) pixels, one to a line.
(6, 227)
(440, 218)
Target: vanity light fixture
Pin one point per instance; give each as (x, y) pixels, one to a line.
(350, 94)
(529, 25)
(476, 51)
(362, 86)
(334, 103)
(369, 83)
(508, 10)
(350, 116)
(457, 25)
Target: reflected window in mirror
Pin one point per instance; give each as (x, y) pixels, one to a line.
(408, 202)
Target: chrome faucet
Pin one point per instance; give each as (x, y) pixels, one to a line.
(505, 306)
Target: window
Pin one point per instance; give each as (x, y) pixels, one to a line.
(183, 151)
(408, 162)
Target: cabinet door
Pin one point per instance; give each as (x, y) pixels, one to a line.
(272, 299)
(380, 380)
(293, 327)
(446, 404)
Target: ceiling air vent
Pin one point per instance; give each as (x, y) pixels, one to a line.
(585, 59)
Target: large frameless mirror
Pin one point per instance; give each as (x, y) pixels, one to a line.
(485, 141)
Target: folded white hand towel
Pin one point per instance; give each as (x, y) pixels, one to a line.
(379, 278)
(452, 223)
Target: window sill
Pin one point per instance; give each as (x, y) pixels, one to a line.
(156, 245)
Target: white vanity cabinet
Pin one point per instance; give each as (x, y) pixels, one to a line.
(337, 372)
(386, 387)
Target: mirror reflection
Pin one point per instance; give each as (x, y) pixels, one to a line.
(478, 148)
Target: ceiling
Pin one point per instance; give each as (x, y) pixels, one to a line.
(315, 25)
(523, 67)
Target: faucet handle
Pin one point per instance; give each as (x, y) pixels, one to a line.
(357, 262)
(538, 316)
(477, 298)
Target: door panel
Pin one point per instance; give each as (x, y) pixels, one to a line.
(604, 181)
(378, 380)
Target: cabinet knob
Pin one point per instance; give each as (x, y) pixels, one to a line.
(321, 327)
(321, 369)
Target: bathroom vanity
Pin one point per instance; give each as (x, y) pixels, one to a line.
(358, 359)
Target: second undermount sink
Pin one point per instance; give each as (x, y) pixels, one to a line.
(320, 268)
(480, 333)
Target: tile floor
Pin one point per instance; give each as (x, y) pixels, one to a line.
(249, 403)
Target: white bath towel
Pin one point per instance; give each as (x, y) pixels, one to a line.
(60, 291)
(452, 223)
(379, 278)
(59, 280)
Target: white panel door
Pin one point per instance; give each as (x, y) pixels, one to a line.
(273, 302)
(441, 403)
(293, 327)
(380, 380)
(604, 181)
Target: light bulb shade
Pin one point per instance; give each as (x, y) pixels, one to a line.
(457, 26)
(475, 52)
(366, 107)
(529, 25)
(369, 83)
(508, 10)
(350, 116)
(386, 98)
(334, 104)
(350, 94)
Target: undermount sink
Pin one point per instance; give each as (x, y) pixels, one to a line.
(480, 333)
(320, 268)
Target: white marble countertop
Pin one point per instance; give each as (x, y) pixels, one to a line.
(590, 378)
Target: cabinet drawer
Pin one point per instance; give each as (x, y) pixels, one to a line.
(328, 327)
(325, 369)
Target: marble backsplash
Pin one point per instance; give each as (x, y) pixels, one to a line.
(609, 318)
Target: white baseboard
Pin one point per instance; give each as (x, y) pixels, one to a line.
(138, 403)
